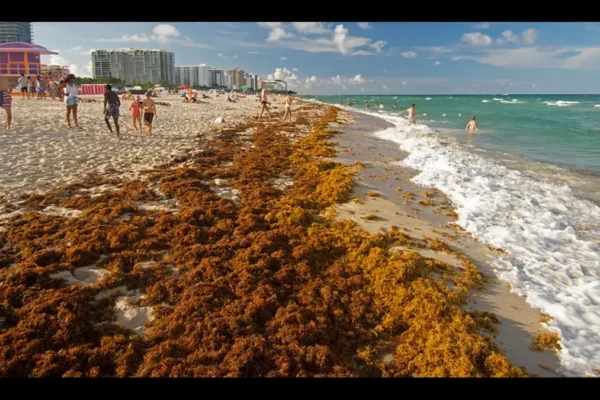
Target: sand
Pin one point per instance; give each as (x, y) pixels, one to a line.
(41, 152)
(519, 323)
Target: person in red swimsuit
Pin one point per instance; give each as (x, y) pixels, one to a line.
(136, 114)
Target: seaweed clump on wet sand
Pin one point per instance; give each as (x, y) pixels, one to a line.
(270, 285)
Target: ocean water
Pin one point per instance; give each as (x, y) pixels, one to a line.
(527, 182)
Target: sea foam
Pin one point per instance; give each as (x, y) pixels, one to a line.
(561, 103)
(554, 251)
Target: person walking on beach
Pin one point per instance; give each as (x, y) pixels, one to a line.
(472, 125)
(6, 100)
(22, 85)
(136, 114)
(288, 108)
(71, 99)
(411, 115)
(111, 108)
(30, 87)
(41, 88)
(149, 112)
(264, 104)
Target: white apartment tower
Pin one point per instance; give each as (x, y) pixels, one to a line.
(135, 65)
(193, 75)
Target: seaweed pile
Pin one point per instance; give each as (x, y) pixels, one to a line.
(271, 285)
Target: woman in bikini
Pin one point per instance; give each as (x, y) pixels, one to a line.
(264, 104)
(288, 108)
(136, 114)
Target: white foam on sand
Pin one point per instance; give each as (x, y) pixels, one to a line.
(552, 260)
(561, 103)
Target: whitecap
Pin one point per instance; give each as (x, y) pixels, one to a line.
(561, 103)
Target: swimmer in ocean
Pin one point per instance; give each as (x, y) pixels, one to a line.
(472, 125)
(411, 115)
(367, 106)
(395, 106)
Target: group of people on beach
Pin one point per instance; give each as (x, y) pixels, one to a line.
(264, 106)
(112, 105)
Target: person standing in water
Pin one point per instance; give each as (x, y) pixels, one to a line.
(472, 125)
(367, 105)
(411, 115)
(71, 99)
(111, 108)
(264, 104)
(149, 112)
(136, 114)
(288, 107)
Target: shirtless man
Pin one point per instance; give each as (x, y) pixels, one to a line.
(411, 115)
(288, 107)
(149, 111)
(472, 125)
(111, 108)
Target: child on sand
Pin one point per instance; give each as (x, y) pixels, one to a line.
(149, 111)
(136, 114)
(111, 108)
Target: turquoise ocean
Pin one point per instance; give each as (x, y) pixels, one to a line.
(528, 182)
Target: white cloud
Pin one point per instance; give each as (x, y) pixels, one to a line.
(277, 31)
(540, 57)
(286, 75)
(482, 25)
(309, 27)
(438, 62)
(252, 52)
(529, 36)
(476, 39)
(456, 58)
(137, 38)
(336, 80)
(509, 36)
(362, 53)
(404, 83)
(164, 32)
(161, 33)
(76, 69)
(220, 55)
(362, 89)
(386, 88)
(295, 69)
(235, 56)
(364, 25)
(339, 38)
(309, 82)
(283, 58)
(378, 45)
(409, 54)
(357, 79)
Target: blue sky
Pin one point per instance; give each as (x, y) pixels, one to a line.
(360, 57)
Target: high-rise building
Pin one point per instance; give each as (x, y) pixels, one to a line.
(204, 75)
(238, 77)
(276, 84)
(16, 32)
(134, 65)
(187, 75)
(217, 77)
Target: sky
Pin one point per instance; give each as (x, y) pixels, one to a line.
(360, 57)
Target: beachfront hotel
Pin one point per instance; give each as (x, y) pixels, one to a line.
(135, 65)
(16, 32)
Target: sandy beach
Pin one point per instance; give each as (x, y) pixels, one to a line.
(240, 249)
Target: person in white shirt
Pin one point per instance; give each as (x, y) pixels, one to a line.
(71, 99)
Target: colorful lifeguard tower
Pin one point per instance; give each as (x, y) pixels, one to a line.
(18, 58)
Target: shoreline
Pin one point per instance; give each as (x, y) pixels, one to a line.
(519, 323)
(127, 204)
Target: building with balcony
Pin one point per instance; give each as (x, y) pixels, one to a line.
(134, 65)
(16, 32)
(18, 58)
